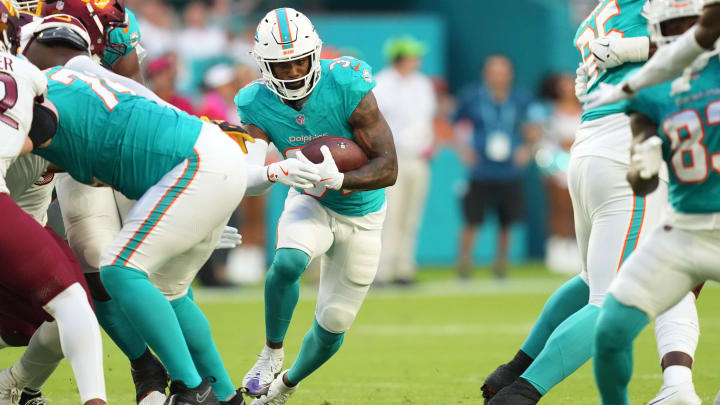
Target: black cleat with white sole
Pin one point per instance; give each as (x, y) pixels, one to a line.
(180, 394)
(149, 375)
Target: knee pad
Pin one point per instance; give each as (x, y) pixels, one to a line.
(288, 264)
(335, 318)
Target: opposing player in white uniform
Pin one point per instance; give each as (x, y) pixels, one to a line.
(39, 285)
(668, 62)
(610, 221)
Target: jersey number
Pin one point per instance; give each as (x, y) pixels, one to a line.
(602, 17)
(686, 133)
(101, 87)
(9, 98)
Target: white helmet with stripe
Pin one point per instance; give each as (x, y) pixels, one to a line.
(666, 10)
(283, 35)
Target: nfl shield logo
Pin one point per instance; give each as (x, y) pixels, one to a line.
(300, 119)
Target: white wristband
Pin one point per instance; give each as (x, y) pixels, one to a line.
(634, 49)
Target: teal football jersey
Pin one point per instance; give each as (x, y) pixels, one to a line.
(122, 41)
(343, 83)
(689, 125)
(611, 18)
(105, 131)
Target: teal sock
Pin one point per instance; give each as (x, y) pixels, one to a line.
(119, 328)
(153, 316)
(317, 347)
(282, 291)
(568, 348)
(196, 329)
(565, 301)
(617, 327)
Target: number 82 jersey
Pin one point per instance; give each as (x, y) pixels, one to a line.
(610, 19)
(20, 83)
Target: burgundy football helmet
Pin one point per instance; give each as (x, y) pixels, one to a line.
(9, 28)
(99, 17)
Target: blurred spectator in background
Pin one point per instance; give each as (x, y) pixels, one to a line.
(407, 100)
(156, 25)
(564, 113)
(161, 73)
(198, 39)
(501, 122)
(222, 84)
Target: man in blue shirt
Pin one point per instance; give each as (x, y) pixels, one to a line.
(502, 122)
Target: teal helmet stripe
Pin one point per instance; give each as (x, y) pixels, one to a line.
(284, 27)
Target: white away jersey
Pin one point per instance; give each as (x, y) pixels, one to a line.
(20, 83)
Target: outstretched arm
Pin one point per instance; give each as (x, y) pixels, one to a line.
(643, 129)
(373, 134)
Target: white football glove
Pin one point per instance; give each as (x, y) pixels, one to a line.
(294, 173)
(229, 239)
(581, 80)
(613, 52)
(647, 156)
(330, 176)
(605, 55)
(605, 94)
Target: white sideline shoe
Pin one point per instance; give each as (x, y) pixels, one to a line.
(261, 375)
(9, 391)
(278, 393)
(681, 394)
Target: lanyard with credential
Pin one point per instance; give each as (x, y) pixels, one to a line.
(498, 123)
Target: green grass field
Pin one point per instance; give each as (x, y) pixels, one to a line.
(430, 344)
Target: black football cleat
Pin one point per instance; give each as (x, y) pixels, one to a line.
(236, 400)
(28, 397)
(150, 378)
(180, 394)
(505, 375)
(521, 392)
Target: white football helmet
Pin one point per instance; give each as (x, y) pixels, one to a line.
(665, 10)
(285, 34)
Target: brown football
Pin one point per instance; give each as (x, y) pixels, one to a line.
(347, 154)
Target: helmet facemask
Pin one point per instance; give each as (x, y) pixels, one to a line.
(668, 17)
(286, 88)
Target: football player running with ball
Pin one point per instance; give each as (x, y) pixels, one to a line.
(610, 222)
(299, 98)
(677, 122)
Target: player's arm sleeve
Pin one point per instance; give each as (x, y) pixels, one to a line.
(668, 62)
(258, 182)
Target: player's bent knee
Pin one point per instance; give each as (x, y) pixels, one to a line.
(336, 319)
(74, 294)
(288, 264)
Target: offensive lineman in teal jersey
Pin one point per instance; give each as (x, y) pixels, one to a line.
(172, 163)
(92, 216)
(675, 122)
(609, 223)
(300, 98)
